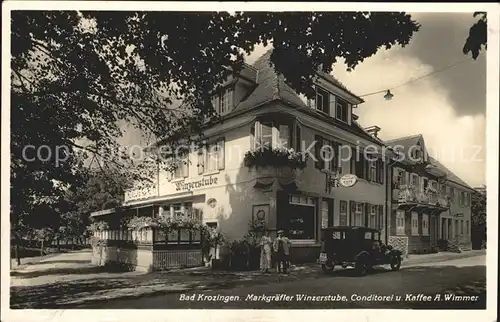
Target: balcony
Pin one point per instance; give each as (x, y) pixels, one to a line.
(410, 194)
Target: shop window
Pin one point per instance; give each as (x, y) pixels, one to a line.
(414, 224)
(300, 218)
(425, 224)
(400, 222)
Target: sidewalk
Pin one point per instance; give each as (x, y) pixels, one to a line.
(69, 280)
(411, 260)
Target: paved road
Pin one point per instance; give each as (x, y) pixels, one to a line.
(466, 276)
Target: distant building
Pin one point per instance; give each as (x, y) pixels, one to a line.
(429, 202)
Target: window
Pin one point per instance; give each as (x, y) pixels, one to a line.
(271, 134)
(400, 222)
(223, 102)
(300, 220)
(373, 216)
(414, 180)
(266, 138)
(368, 235)
(425, 224)
(357, 211)
(181, 168)
(372, 169)
(425, 183)
(322, 100)
(214, 156)
(414, 224)
(343, 213)
(326, 153)
(369, 168)
(341, 109)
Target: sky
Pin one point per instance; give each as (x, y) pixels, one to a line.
(447, 108)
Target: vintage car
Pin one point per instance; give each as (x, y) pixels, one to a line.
(358, 247)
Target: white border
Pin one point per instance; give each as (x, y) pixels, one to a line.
(236, 315)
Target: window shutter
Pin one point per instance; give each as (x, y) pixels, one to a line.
(407, 177)
(332, 105)
(381, 217)
(258, 135)
(201, 160)
(395, 175)
(366, 214)
(381, 170)
(221, 151)
(338, 164)
(368, 171)
(351, 210)
(320, 163)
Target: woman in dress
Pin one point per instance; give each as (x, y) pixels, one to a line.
(265, 252)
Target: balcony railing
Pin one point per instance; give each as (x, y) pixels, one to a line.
(405, 193)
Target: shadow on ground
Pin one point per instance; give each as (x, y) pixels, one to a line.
(59, 271)
(150, 290)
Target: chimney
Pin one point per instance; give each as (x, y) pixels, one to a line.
(373, 130)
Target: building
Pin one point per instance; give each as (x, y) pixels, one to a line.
(259, 108)
(429, 202)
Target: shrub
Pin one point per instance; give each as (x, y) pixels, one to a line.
(279, 157)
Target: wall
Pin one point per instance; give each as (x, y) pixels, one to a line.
(457, 208)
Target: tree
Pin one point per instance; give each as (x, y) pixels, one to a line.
(76, 76)
(478, 220)
(101, 191)
(477, 39)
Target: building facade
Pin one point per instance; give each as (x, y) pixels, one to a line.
(259, 109)
(430, 204)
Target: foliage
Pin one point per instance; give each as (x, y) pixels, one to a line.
(100, 191)
(163, 223)
(477, 39)
(478, 209)
(78, 77)
(98, 226)
(277, 157)
(211, 238)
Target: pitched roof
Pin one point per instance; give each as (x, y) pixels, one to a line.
(405, 143)
(450, 175)
(411, 140)
(271, 86)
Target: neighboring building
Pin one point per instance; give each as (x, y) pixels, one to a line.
(429, 202)
(481, 190)
(258, 107)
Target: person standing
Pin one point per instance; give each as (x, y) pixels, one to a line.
(265, 252)
(281, 247)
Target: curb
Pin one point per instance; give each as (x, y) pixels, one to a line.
(443, 258)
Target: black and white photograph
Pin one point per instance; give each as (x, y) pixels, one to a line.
(230, 156)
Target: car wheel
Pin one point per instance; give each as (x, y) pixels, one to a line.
(362, 267)
(396, 263)
(327, 268)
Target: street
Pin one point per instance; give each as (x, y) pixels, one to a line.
(466, 276)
